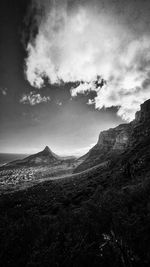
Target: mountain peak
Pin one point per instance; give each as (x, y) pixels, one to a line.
(47, 149)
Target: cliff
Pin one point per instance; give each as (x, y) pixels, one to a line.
(144, 113)
(115, 141)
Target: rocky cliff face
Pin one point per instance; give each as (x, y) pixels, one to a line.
(144, 113)
(110, 143)
(141, 124)
(117, 140)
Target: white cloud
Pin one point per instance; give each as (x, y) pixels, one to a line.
(33, 99)
(82, 88)
(79, 44)
(73, 46)
(129, 83)
(91, 102)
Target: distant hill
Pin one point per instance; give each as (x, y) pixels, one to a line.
(44, 157)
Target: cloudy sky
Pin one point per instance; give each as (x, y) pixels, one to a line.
(70, 69)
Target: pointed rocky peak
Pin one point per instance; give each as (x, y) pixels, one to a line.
(47, 149)
(48, 152)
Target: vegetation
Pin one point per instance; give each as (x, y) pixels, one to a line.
(98, 219)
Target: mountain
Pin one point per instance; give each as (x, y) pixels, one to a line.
(110, 143)
(100, 217)
(116, 141)
(45, 157)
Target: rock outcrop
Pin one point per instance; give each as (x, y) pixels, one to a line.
(110, 143)
(144, 113)
(117, 140)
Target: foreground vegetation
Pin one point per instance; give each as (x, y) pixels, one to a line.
(100, 219)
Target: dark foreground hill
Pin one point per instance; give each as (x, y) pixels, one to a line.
(100, 218)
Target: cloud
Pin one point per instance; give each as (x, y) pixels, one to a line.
(59, 103)
(129, 83)
(78, 41)
(33, 99)
(73, 46)
(84, 87)
(3, 91)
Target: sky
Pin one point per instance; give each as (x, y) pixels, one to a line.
(70, 69)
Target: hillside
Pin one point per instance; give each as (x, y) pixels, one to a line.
(99, 218)
(45, 157)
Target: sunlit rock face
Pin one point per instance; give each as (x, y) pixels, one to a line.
(116, 139)
(141, 124)
(107, 139)
(122, 140)
(144, 113)
(110, 143)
